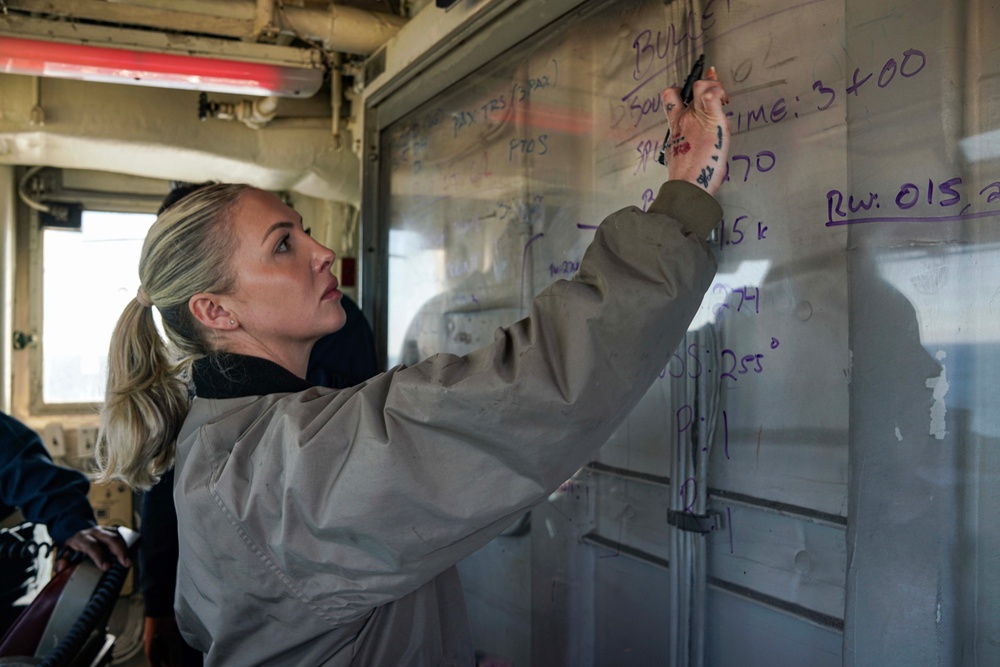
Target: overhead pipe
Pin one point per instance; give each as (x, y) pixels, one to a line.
(344, 29)
(244, 11)
(254, 114)
(262, 20)
(213, 17)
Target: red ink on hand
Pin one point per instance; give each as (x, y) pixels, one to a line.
(681, 149)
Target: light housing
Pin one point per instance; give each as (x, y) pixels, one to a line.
(162, 70)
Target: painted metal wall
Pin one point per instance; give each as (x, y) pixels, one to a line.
(156, 133)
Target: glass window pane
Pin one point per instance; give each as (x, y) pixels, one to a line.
(88, 277)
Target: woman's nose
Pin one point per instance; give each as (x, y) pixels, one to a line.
(323, 258)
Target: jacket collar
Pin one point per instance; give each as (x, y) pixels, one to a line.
(237, 375)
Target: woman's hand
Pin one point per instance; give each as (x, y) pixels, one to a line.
(698, 144)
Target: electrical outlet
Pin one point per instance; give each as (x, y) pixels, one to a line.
(55, 440)
(86, 441)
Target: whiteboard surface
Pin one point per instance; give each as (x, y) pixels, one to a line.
(853, 317)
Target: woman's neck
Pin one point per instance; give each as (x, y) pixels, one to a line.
(294, 359)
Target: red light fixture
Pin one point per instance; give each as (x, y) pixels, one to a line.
(161, 70)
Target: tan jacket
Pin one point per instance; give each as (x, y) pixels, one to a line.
(321, 527)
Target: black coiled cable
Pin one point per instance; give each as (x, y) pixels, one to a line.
(98, 608)
(15, 546)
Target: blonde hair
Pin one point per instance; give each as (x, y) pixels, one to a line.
(187, 250)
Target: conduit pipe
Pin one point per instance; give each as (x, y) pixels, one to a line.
(344, 29)
(166, 17)
(254, 114)
(336, 95)
(695, 402)
(244, 11)
(262, 19)
(22, 190)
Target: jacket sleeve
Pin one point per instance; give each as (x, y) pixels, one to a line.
(356, 498)
(44, 492)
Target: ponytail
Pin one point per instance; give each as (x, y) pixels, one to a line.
(145, 403)
(186, 251)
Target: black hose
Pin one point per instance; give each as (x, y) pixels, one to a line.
(98, 608)
(15, 546)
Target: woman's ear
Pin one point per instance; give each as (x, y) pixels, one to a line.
(210, 313)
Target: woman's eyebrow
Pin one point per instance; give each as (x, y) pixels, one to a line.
(276, 225)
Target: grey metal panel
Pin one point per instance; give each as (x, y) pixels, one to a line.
(746, 634)
(785, 435)
(792, 559)
(631, 512)
(642, 443)
(562, 583)
(979, 620)
(495, 580)
(631, 608)
(923, 336)
(788, 417)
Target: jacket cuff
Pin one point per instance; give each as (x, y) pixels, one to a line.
(693, 207)
(64, 528)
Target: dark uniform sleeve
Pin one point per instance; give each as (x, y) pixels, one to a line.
(44, 492)
(158, 548)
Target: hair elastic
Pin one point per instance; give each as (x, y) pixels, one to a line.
(143, 298)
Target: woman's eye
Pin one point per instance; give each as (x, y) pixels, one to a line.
(308, 231)
(282, 244)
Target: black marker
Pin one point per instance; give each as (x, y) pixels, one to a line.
(687, 95)
(687, 92)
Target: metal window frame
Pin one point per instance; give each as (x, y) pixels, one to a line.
(28, 286)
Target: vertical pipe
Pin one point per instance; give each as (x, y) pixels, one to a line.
(683, 400)
(708, 400)
(7, 222)
(694, 403)
(37, 118)
(336, 95)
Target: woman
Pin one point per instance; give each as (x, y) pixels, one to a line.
(321, 527)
